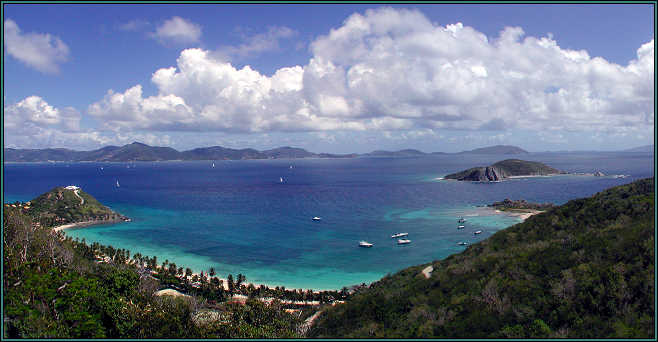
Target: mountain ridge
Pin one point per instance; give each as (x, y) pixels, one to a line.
(137, 151)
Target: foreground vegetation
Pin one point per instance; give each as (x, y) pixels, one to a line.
(581, 270)
(56, 287)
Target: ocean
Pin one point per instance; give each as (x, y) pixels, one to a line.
(255, 216)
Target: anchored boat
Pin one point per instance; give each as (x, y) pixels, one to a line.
(365, 244)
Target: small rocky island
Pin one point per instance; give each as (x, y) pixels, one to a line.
(504, 169)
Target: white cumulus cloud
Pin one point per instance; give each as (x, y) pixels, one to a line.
(40, 51)
(390, 69)
(178, 30)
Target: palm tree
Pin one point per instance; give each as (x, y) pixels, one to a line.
(230, 284)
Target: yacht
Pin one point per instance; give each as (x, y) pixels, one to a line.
(397, 235)
(365, 244)
(477, 232)
(403, 241)
(461, 220)
(461, 226)
(316, 218)
(462, 243)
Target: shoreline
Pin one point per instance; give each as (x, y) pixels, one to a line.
(523, 215)
(85, 224)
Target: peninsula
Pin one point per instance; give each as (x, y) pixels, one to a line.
(508, 168)
(69, 207)
(520, 208)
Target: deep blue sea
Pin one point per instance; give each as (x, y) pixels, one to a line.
(238, 217)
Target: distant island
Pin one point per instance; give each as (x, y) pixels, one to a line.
(137, 151)
(646, 148)
(504, 169)
(497, 149)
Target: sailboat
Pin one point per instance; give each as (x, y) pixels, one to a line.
(118, 183)
(213, 164)
(291, 166)
(280, 179)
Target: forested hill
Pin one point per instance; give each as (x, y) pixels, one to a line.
(584, 269)
(70, 204)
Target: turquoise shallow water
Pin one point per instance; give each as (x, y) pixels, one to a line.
(239, 218)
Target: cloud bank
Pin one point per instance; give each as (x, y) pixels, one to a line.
(395, 70)
(40, 51)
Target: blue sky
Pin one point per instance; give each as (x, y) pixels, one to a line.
(329, 78)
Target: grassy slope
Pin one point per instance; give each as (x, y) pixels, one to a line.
(516, 167)
(584, 269)
(63, 203)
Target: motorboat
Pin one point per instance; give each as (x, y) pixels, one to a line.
(461, 226)
(365, 244)
(461, 220)
(403, 241)
(280, 179)
(316, 218)
(462, 243)
(477, 232)
(397, 235)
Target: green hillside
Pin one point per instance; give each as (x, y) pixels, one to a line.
(517, 167)
(61, 206)
(581, 270)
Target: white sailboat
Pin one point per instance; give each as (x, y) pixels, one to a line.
(213, 164)
(118, 183)
(365, 244)
(280, 179)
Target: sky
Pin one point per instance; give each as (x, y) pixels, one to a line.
(335, 78)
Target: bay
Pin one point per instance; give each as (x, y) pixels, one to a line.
(239, 217)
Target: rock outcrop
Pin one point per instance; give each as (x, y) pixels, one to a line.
(504, 169)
